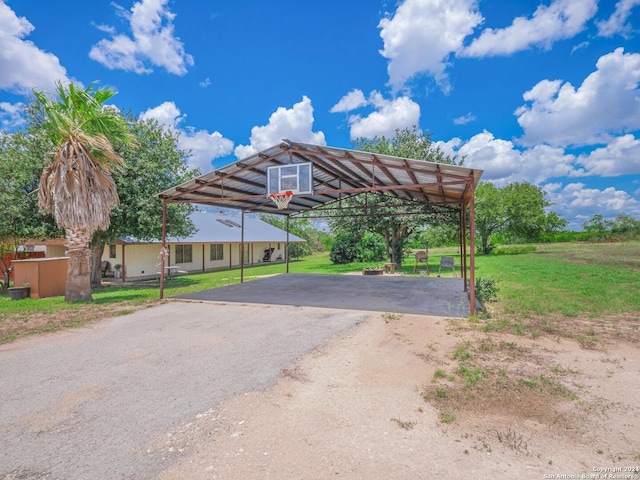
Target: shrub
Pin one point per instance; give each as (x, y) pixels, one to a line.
(513, 249)
(371, 248)
(486, 289)
(344, 249)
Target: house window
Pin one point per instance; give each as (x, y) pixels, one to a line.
(216, 251)
(112, 251)
(184, 253)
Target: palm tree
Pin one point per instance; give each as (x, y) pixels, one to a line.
(76, 186)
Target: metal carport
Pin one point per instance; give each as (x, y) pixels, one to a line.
(337, 174)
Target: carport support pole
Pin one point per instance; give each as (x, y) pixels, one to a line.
(286, 248)
(463, 244)
(242, 248)
(472, 248)
(164, 246)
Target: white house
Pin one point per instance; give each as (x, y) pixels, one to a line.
(214, 246)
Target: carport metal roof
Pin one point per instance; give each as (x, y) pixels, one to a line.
(337, 173)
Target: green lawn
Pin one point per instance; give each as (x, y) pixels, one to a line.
(572, 280)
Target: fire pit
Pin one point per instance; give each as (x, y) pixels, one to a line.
(373, 271)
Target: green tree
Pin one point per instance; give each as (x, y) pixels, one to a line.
(76, 185)
(625, 225)
(386, 215)
(489, 213)
(316, 239)
(516, 211)
(152, 163)
(21, 163)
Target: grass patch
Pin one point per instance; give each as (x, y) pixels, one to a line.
(570, 279)
(447, 417)
(503, 378)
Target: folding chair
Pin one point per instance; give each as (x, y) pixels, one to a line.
(421, 257)
(447, 262)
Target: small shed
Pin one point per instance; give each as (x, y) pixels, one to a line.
(47, 277)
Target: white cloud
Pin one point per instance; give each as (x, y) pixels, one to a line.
(11, 115)
(294, 123)
(498, 158)
(351, 101)
(620, 157)
(205, 83)
(449, 148)
(389, 116)
(617, 22)
(167, 114)
(580, 46)
(504, 163)
(422, 34)
(560, 20)
(577, 203)
(152, 43)
(604, 105)
(464, 119)
(203, 147)
(24, 65)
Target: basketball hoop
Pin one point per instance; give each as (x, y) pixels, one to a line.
(282, 199)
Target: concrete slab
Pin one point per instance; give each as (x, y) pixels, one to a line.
(434, 296)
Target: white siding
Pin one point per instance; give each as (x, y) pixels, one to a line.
(142, 260)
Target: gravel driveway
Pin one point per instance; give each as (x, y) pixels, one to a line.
(96, 402)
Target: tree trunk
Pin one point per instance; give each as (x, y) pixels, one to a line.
(97, 247)
(78, 287)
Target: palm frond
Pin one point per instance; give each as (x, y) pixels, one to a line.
(77, 187)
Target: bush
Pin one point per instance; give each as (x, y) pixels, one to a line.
(371, 248)
(486, 289)
(513, 249)
(346, 249)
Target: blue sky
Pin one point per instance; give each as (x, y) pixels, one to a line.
(538, 91)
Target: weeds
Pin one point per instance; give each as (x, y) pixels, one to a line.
(513, 440)
(409, 425)
(489, 379)
(447, 417)
(389, 316)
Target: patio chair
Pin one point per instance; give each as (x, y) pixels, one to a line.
(447, 262)
(421, 257)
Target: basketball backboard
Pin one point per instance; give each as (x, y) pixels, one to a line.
(296, 178)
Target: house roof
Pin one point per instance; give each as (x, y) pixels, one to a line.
(337, 173)
(221, 228)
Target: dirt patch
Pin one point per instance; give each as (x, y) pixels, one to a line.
(408, 396)
(28, 323)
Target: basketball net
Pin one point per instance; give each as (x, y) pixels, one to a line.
(281, 199)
